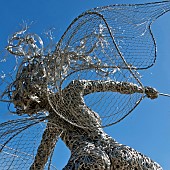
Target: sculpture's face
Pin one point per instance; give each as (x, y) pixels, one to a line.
(29, 94)
(25, 101)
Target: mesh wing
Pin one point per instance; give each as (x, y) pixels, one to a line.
(108, 43)
(19, 140)
(88, 51)
(131, 27)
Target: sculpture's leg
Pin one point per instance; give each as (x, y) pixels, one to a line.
(48, 142)
(88, 157)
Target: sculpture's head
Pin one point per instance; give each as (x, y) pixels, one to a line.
(29, 89)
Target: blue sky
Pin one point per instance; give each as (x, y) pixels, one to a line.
(147, 129)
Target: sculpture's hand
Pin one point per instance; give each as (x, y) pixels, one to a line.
(151, 92)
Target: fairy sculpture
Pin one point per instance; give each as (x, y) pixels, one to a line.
(89, 81)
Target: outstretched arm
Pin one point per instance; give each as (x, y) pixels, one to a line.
(48, 142)
(92, 86)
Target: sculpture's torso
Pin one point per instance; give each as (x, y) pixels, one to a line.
(95, 150)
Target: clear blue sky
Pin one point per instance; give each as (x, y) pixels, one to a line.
(147, 129)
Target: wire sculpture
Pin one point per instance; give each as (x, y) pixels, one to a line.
(88, 81)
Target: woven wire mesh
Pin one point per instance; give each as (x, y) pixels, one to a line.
(19, 140)
(132, 32)
(110, 44)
